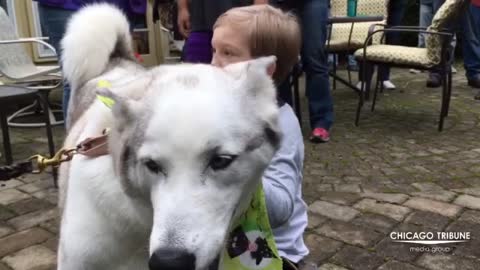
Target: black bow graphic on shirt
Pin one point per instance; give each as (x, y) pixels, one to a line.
(238, 244)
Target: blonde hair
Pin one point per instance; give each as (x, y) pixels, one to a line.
(270, 31)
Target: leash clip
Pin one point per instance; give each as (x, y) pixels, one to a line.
(40, 163)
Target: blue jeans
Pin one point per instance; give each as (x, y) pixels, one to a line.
(314, 15)
(426, 16)
(471, 41)
(53, 21)
(427, 11)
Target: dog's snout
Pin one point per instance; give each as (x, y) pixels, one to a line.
(172, 259)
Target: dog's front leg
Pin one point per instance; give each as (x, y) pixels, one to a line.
(91, 242)
(82, 251)
(71, 261)
(87, 239)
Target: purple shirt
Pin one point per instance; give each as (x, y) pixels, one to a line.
(129, 6)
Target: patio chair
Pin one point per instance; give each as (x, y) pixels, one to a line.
(348, 34)
(437, 55)
(17, 66)
(293, 81)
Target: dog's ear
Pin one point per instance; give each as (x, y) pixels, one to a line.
(262, 65)
(254, 77)
(257, 87)
(124, 109)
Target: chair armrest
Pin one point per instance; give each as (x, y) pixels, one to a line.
(352, 20)
(357, 19)
(140, 30)
(31, 40)
(407, 30)
(39, 38)
(408, 27)
(372, 27)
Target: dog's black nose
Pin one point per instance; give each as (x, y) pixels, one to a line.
(172, 259)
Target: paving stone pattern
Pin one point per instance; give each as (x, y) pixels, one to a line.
(393, 173)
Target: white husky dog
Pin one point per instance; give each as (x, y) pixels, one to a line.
(187, 148)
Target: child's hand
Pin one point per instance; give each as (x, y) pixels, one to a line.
(184, 21)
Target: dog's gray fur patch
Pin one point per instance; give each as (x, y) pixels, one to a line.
(188, 80)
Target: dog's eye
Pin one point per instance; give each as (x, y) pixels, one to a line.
(221, 162)
(153, 166)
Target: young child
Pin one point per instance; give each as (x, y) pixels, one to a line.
(245, 33)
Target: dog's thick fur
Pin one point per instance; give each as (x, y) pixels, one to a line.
(188, 146)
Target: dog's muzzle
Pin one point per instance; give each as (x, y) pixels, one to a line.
(172, 259)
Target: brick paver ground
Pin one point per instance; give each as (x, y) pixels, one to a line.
(394, 173)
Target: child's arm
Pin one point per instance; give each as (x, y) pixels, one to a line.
(282, 179)
(280, 182)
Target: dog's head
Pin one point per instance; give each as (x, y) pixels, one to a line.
(195, 147)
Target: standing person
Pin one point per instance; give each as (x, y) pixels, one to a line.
(396, 12)
(195, 23)
(54, 15)
(471, 44)
(428, 8)
(245, 33)
(314, 20)
(426, 12)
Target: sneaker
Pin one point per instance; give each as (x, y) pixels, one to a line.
(320, 135)
(359, 86)
(434, 80)
(388, 85)
(454, 70)
(474, 81)
(415, 71)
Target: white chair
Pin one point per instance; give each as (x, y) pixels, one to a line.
(17, 66)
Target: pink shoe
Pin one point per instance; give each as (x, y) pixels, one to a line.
(320, 135)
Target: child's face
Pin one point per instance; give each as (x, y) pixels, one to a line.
(229, 46)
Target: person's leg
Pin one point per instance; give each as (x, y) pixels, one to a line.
(352, 63)
(435, 78)
(424, 20)
(436, 6)
(54, 21)
(368, 75)
(396, 12)
(471, 45)
(314, 15)
(426, 15)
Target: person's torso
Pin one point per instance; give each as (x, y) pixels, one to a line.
(204, 13)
